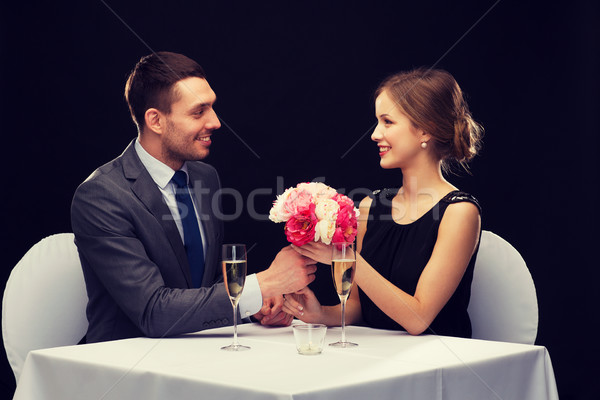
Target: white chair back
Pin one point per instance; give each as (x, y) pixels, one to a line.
(44, 301)
(503, 304)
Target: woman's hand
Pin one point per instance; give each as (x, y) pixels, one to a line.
(317, 251)
(304, 305)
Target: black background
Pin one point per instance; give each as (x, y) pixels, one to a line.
(296, 83)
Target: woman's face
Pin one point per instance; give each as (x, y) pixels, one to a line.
(398, 140)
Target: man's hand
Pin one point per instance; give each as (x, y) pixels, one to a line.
(288, 273)
(271, 313)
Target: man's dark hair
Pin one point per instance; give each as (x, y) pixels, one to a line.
(151, 83)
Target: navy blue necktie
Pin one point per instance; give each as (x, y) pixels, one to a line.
(191, 230)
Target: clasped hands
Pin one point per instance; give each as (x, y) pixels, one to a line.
(289, 274)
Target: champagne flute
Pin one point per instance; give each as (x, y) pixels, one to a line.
(234, 275)
(343, 260)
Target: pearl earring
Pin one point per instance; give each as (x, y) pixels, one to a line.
(423, 145)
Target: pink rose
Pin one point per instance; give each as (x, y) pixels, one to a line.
(300, 228)
(346, 223)
(343, 200)
(297, 202)
(318, 190)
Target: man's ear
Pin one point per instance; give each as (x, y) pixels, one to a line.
(155, 120)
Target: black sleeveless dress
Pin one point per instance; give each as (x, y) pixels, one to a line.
(400, 252)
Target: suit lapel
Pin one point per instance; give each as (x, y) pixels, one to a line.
(146, 190)
(203, 196)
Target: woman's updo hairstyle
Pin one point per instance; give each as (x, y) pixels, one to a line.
(434, 103)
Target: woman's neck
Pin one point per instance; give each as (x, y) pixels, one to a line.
(425, 180)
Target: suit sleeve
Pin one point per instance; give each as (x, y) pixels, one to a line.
(125, 253)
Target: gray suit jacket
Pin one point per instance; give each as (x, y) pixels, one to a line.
(134, 263)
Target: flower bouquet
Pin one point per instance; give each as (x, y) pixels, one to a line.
(315, 211)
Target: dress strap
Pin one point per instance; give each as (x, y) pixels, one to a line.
(384, 193)
(382, 200)
(458, 196)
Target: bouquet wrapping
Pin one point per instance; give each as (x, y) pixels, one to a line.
(315, 212)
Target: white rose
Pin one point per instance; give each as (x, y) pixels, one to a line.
(326, 211)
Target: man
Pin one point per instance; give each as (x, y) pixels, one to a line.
(147, 235)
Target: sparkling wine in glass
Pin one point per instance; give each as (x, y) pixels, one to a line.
(342, 270)
(234, 275)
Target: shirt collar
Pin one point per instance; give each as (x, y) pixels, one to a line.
(160, 173)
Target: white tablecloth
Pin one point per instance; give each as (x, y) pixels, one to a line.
(385, 365)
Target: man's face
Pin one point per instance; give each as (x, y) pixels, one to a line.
(190, 123)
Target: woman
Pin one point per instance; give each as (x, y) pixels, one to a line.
(417, 244)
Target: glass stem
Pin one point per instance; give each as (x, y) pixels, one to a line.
(344, 319)
(235, 341)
